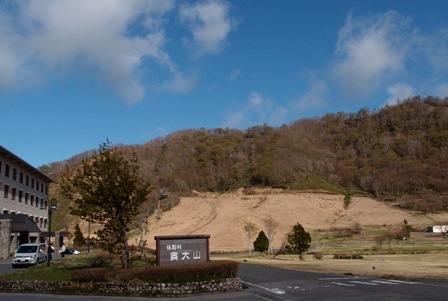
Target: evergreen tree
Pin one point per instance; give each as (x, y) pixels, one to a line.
(298, 240)
(261, 244)
(79, 237)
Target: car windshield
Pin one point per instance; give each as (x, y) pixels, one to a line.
(27, 249)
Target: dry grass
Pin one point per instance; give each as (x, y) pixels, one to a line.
(222, 216)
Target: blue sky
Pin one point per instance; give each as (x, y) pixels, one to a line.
(74, 73)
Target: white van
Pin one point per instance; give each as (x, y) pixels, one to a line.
(30, 254)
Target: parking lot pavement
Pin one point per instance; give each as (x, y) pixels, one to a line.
(6, 265)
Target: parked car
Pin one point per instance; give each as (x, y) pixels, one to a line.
(71, 252)
(29, 254)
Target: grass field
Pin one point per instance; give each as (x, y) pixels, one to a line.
(424, 255)
(324, 216)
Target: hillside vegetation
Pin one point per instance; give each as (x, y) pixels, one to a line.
(398, 152)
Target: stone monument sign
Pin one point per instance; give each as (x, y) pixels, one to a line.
(182, 249)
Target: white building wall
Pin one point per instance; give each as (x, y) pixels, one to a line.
(440, 229)
(35, 188)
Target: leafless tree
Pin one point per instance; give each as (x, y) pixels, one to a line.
(251, 230)
(271, 226)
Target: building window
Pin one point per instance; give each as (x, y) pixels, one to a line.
(7, 170)
(13, 194)
(0, 167)
(14, 174)
(27, 180)
(42, 187)
(46, 189)
(37, 185)
(6, 191)
(37, 202)
(32, 183)
(26, 198)
(20, 196)
(32, 200)
(21, 177)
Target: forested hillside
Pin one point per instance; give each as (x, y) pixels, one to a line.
(396, 150)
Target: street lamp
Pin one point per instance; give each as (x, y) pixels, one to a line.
(52, 205)
(88, 238)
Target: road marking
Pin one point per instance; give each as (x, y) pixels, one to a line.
(339, 278)
(342, 284)
(385, 282)
(271, 290)
(276, 291)
(404, 282)
(365, 283)
(261, 297)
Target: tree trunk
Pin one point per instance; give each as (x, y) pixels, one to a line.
(126, 249)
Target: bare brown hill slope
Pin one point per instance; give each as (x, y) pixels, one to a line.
(222, 216)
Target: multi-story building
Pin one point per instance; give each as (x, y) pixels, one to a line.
(23, 191)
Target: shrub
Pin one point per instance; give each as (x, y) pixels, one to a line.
(181, 273)
(356, 228)
(347, 201)
(249, 191)
(101, 260)
(348, 256)
(102, 274)
(380, 240)
(318, 255)
(140, 254)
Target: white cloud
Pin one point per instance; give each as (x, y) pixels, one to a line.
(370, 50)
(180, 83)
(209, 23)
(235, 74)
(435, 47)
(442, 90)
(314, 98)
(399, 91)
(54, 37)
(257, 102)
(235, 120)
(110, 40)
(258, 110)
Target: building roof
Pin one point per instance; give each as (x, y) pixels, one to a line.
(21, 223)
(25, 165)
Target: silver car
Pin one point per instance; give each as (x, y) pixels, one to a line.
(29, 254)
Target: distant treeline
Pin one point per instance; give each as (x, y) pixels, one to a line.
(396, 150)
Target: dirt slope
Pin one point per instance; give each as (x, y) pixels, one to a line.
(222, 216)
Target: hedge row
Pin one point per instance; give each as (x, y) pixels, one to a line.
(180, 273)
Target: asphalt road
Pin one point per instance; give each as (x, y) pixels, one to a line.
(264, 283)
(278, 284)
